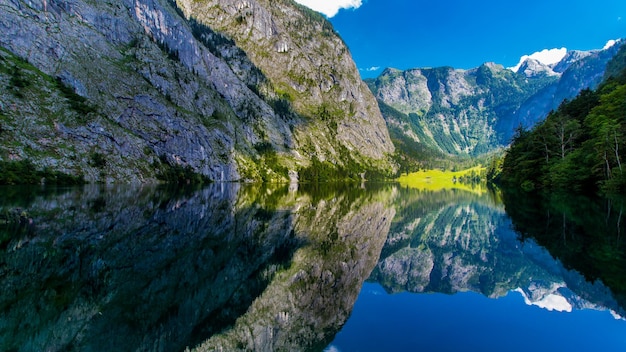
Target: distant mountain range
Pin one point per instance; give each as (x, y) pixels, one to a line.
(471, 112)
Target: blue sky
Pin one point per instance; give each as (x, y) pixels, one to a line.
(464, 34)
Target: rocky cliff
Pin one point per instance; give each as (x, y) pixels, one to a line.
(121, 90)
(470, 112)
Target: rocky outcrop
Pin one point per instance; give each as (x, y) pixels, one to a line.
(169, 85)
(308, 65)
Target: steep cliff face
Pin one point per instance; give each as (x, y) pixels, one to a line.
(159, 89)
(307, 64)
(455, 111)
(470, 112)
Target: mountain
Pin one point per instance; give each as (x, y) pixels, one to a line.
(470, 112)
(133, 91)
(577, 146)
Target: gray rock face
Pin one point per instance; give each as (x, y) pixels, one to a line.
(307, 62)
(532, 68)
(167, 89)
(474, 111)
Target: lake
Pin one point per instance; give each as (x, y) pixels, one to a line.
(348, 267)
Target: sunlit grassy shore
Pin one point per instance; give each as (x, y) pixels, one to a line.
(433, 180)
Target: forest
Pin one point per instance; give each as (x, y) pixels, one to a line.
(579, 147)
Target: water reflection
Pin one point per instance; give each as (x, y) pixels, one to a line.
(144, 268)
(531, 279)
(584, 234)
(265, 268)
(453, 241)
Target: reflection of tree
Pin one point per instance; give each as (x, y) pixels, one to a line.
(583, 233)
(450, 242)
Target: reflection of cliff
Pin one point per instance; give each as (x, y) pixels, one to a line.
(465, 243)
(306, 304)
(131, 268)
(135, 268)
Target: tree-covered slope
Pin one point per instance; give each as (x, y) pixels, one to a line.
(580, 146)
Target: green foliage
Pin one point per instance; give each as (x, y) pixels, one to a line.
(97, 160)
(349, 170)
(494, 168)
(178, 174)
(270, 166)
(24, 172)
(579, 147)
(77, 103)
(18, 81)
(617, 65)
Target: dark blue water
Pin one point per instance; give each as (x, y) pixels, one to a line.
(469, 321)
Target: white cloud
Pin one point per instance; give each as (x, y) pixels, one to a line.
(330, 7)
(546, 57)
(609, 44)
(373, 68)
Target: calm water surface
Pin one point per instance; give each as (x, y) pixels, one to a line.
(335, 268)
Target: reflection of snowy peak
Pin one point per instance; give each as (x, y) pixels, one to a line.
(459, 245)
(558, 297)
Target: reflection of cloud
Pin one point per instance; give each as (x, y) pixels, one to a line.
(332, 348)
(619, 18)
(330, 7)
(550, 302)
(616, 316)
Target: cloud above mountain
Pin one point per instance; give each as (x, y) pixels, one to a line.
(330, 7)
(609, 44)
(546, 57)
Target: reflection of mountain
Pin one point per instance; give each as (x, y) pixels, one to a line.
(306, 304)
(451, 242)
(129, 268)
(583, 233)
(150, 269)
